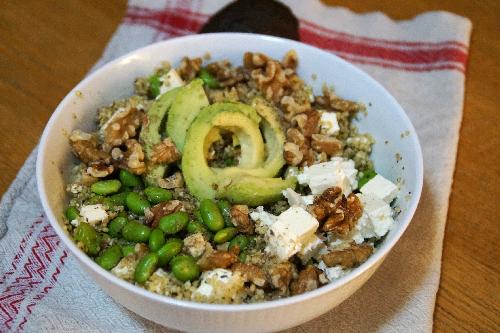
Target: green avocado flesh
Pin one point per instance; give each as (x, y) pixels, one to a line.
(251, 181)
(150, 134)
(186, 106)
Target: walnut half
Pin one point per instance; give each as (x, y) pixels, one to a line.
(349, 257)
(165, 152)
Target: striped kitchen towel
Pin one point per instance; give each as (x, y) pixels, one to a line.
(422, 62)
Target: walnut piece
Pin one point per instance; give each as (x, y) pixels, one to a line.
(121, 126)
(85, 147)
(308, 280)
(254, 60)
(217, 259)
(251, 273)
(162, 209)
(226, 74)
(325, 144)
(345, 217)
(174, 181)
(280, 276)
(349, 257)
(292, 154)
(189, 68)
(295, 136)
(165, 152)
(99, 169)
(312, 125)
(241, 220)
(332, 102)
(290, 60)
(133, 158)
(326, 203)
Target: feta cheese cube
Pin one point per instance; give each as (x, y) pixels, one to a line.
(332, 273)
(311, 249)
(219, 286)
(337, 172)
(380, 187)
(290, 232)
(376, 220)
(329, 124)
(94, 214)
(170, 81)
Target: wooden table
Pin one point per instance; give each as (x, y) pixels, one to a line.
(46, 47)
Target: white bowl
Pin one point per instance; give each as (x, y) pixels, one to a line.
(386, 120)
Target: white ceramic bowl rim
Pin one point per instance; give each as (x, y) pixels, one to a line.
(380, 252)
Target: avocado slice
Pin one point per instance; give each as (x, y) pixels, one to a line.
(240, 185)
(150, 134)
(186, 106)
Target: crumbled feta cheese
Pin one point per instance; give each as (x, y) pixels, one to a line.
(219, 286)
(380, 187)
(170, 81)
(328, 123)
(260, 215)
(294, 228)
(337, 172)
(94, 214)
(308, 199)
(294, 199)
(195, 244)
(376, 220)
(332, 273)
(311, 249)
(75, 188)
(75, 223)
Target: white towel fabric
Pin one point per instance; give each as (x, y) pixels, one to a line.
(420, 61)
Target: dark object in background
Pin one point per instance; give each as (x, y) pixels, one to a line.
(266, 17)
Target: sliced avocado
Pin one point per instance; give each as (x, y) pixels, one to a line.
(186, 106)
(256, 191)
(240, 119)
(150, 133)
(240, 185)
(275, 140)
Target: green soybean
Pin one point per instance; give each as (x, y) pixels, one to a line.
(224, 235)
(156, 239)
(118, 199)
(128, 249)
(185, 268)
(194, 227)
(157, 194)
(116, 225)
(171, 248)
(145, 267)
(154, 85)
(86, 234)
(173, 223)
(197, 215)
(208, 79)
(110, 257)
(136, 203)
(241, 241)
(242, 257)
(211, 215)
(95, 199)
(225, 208)
(72, 213)
(129, 179)
(106, 187)
(135, 232)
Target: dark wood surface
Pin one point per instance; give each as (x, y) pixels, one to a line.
(46, 47)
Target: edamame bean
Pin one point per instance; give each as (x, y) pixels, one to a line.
(154, 85)
(145, 267)
(135, 232)
(105, 187)
(110, 257)
(185, 268)
(225, 208)
(116, 225)
(136, 203)
(208, 79)
(95, 199)
(157, 194)
(242, 257)
(224, 235)
(194, 227)
(171, 248)
(197, 215)
(118, 199)
(211, 215)
(241, 241)
(86, 234)
(129, 179)
(128, 249)
(156, 239)
(72, 213)
(173, 223)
